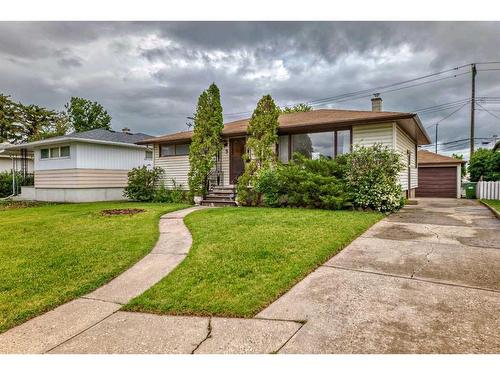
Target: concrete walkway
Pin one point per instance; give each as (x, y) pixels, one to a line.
(47, 331)
(425, 280)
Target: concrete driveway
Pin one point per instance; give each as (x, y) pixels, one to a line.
(425, 280)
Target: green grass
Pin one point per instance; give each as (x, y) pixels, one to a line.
(50, 254)
(242, 259)
(493, 203)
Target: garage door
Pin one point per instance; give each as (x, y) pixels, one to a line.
(437, 182)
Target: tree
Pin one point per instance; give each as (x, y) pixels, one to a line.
(10, 117)
(262, 138)
(87, 115)
(206, 142)
(302, 107)
(484, 164)
(36, 122)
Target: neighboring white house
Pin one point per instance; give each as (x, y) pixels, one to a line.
(84, 167)
(324, 132)
(10, 159)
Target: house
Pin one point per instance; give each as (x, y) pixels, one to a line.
(84, 167)
(12, 160)
(323, 132)
(439, 176)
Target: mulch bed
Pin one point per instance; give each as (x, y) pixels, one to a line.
(123, 211)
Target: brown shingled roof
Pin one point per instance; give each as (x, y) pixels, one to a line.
(427, 157)
(293, 121)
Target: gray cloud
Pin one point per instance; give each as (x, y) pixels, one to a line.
(149, 74)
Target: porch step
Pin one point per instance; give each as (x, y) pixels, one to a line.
(220, 196)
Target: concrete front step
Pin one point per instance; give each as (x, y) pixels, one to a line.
(218, 203)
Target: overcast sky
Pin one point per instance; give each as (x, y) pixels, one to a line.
(149, 75)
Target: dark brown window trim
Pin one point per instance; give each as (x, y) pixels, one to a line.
(320, 131)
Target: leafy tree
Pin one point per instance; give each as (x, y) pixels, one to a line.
(463, 169)
(86, 115)
(484, 164)
(206, 141)
(302, 107)
(10, 117)
(262, 138)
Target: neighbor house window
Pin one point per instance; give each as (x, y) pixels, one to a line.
(55, 152)
(149, 155)
(316, 145)
(174, 150)
(64, 151)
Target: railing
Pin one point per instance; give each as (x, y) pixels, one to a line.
(215, 178)
(488, 190)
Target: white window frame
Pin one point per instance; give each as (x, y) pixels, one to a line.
(55, 157)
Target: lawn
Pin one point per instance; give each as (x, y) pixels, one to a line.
(242, 259)
(493, 203)
(50, 254)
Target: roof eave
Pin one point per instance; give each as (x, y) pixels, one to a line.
(48, 142)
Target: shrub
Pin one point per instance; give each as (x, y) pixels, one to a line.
(372, 177)
(486, 164)
(175, 194)
(303, 183)
(6, 183)
(142, 183)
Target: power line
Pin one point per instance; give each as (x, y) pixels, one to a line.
(492, 114)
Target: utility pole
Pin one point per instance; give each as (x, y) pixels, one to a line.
(437, 124)
(472, 108)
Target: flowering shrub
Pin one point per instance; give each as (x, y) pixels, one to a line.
(372, 176)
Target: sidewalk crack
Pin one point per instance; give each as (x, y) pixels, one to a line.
(209, 335)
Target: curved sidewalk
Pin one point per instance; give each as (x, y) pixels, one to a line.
(45, 332)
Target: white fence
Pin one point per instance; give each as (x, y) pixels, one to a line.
(488, 190)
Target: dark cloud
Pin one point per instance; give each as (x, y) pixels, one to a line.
(149, 74)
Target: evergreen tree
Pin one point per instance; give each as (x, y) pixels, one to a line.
(10, 117)
(36, 122)
(262, 139)
(87, 115)
(206, 141)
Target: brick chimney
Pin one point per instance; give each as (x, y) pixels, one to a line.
(376, 103)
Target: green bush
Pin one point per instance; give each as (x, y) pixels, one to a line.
(486, 164)
(6, 183)
(372, 177)
(142, 183)
(175, 194)
(304, 183)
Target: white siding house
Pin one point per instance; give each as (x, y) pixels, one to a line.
(84, 167)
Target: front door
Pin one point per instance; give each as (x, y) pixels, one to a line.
(236, 162)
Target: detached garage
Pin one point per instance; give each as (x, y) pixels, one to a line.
(439, 176)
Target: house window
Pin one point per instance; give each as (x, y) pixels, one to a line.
(283, 153)
(64, 152)
(343, 142)
(316, 145)
(149, 155)
(55, 152)
(174, 150)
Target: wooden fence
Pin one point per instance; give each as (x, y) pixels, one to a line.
(488, 190)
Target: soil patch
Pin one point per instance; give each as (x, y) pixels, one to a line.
(122, 211)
